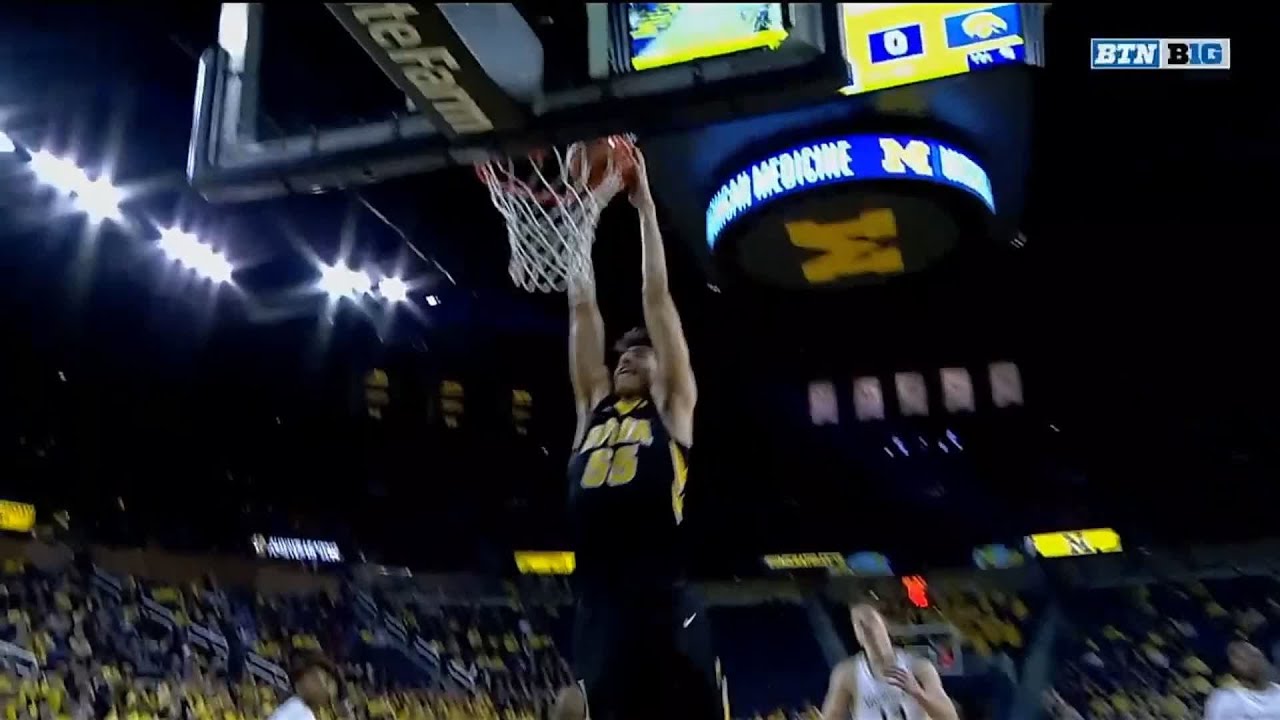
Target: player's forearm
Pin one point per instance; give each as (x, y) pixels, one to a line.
(581, 292)
(655, 258)
(937, 707)
(586, 342)
(586, 338)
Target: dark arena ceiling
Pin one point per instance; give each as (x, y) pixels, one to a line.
(155, 408)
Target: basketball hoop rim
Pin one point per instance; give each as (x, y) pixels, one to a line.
(485, 171)
(487, 175)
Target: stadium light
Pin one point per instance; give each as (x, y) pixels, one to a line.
(186, 250)
(6, 143)
(393, 290)
(97, 197)
(341, 281)
(100, 200)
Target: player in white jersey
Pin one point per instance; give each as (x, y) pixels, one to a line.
(883, 682)
(1257, 697)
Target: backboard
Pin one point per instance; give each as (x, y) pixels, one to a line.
(428, 85)
(308, 98)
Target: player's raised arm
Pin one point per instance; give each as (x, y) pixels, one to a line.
(674, 387)
(839, 701)
(587, 370)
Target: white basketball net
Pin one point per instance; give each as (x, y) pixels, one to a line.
(551, 216)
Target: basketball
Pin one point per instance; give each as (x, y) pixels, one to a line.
(600, 156)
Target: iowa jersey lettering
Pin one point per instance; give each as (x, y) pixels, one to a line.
(624, 443)
(614, 447)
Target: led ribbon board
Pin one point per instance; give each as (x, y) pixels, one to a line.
(1074, 543)
(542, 562)
(894, 44)
(17, 516)
(844, 159)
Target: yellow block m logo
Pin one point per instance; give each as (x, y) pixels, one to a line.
(915, 155)
(865, 245)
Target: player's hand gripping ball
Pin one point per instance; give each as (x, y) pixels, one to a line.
(597, 159)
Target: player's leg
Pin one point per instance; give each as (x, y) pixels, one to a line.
(603, 652)
(697, 679)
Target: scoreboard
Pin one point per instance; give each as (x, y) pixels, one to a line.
(664, 34)
(893, 44)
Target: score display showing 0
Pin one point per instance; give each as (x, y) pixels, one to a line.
(892, 44)
(904, 42)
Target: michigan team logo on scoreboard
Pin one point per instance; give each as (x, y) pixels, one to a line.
(889, 45)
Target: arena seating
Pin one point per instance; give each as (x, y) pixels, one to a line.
(1158, 650)
(81, 642)
(97, 654)
(104, 648)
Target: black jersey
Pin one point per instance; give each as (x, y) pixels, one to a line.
(626, 492)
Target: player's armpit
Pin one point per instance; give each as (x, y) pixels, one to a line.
(839, 700)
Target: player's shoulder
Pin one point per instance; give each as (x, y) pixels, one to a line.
(848, 667)
(919, 663)
(1221, 700)
(1218, 701)
(923, 668)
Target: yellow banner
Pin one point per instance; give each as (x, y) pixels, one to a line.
(804, 561)
(1073, 543)
(542, 562)
(16, 516)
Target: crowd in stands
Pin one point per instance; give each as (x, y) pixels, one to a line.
(95, 656)
(75, 646)
(1158, 650)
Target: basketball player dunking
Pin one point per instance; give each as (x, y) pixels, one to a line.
(883, 682)
(1258, 695)
(641, 642)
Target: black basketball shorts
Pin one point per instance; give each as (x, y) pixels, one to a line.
(644, 652)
